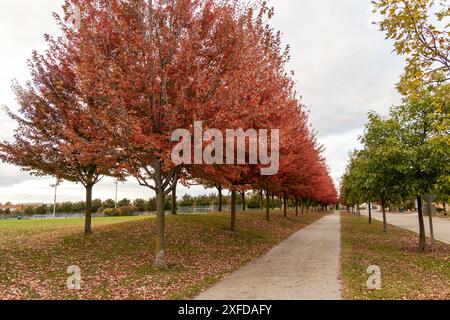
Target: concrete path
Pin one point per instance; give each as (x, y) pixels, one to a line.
(410, 221)
(304, 267)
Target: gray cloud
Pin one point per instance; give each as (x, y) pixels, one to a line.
(343, 69)
(12, 176)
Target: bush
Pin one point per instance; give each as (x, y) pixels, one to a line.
(96, 205)
(110, 212)
(120, 212)
(128, 210)
(6, 211)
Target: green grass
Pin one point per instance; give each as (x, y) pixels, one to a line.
(52, 224)
(406, 273)
(116, 260)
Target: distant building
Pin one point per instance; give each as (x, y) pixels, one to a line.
(20, 207)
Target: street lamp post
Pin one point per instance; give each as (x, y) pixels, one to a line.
(115, 198)
(54, 198)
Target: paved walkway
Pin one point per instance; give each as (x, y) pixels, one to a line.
(304, 267)
(410, 221)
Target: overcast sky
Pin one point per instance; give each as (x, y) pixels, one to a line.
(344, 68)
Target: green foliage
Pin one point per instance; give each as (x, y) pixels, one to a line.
(420, 30)
(96, 205)
(426, 148)
(120, 212)
(253, 200)
(186, 201)
(151, 205)
(204, 200)
(404, 155)
(44, 209)
(111, 212)
(108, 203)
(140, 205)
(124, 202)
(376, 172)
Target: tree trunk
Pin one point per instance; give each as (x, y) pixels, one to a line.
(430, 212)
(296, 206)
(273, 201)
(219, 189)
(243, 200)
(233, 210)
(359, 210)
(174, 199)
(445, 208)
(383, 207)
(160, 257)
(88, 216)
(370, 213)
(285, 205)
(267, 206)
(422, 237)
(261, 200)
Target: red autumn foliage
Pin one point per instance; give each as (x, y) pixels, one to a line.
(108, 96)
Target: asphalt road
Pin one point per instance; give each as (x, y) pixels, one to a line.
(410, 221)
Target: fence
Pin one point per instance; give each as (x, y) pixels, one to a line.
(60, 216)
(206, 209)
(180, 210)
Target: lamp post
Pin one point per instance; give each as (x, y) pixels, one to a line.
(115, 198)
(54, 197)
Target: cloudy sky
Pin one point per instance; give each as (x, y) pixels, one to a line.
(344, 68)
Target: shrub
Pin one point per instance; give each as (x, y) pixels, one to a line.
(120, 212)
(128, 210)
(111, 212)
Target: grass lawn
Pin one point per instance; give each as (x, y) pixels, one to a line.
(405, 273)
(45, 225)
(116, 261)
